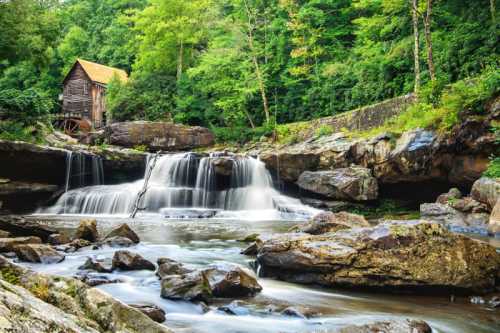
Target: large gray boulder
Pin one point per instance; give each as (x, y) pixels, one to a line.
(486, 190)
(411, 255)
(353, 183)
(158, 135)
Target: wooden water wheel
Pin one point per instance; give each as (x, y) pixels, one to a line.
(70, 126)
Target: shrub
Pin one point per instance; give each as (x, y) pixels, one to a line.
(493, 170)
(24, 106)
(323, 130)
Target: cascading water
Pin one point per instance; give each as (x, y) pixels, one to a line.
(182, 182)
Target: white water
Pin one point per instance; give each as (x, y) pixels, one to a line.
(184, 185)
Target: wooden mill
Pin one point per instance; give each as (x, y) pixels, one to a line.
(83, 98)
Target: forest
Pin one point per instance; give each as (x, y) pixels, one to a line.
(240, 65)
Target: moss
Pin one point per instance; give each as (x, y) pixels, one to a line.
(71, 290)
(10, 275)
(41, 289)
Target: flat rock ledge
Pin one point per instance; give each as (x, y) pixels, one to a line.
(415, 256)
(39, 303)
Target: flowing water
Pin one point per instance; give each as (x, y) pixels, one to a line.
(200, 242)
(183, 186)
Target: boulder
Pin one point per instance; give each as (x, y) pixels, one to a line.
(453, 194)
(494, 222)
(410, 255)
(87, 230)
(4, 234)
(128, 261)
(123, 231)
(452, 218)
(58, 239)
(117, 242)
(486, 190)
(353, 183)
(41, 253)
(92, 265)
(37, 315)
(231, 281)
(8, 244)
(91, 309)
(94, 279)
(223, 165)
(19, 226)
(331, 222)
(391, 326)
(193, 286)
(152, 311)
(442, 213)
(158, 135)
(468, 205)
(167, 266)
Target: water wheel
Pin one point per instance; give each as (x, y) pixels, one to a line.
(70, 126)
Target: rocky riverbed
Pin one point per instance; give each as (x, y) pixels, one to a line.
(183, 251)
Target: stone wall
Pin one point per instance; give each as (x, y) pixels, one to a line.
(366, 117)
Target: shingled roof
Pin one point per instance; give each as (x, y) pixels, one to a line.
(100, 73)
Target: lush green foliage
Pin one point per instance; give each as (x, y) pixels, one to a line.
(244, 64)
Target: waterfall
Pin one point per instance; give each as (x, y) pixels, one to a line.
(179, 183)
(83, 170)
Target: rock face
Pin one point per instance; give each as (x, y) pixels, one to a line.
(158, 135)
(458, 220)
(59, 304)
(41, 253)
(87, 230)
(128, 261)
(415, 256)
(353, 183)
(124, 231)
(331, 222)
(458, 157)
(27, 189)
(486, 190)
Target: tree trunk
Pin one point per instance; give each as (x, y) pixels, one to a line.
(428, 39)
(258, 72)
(249, 119)
(179, 61)
(492, 10)
(416, 50)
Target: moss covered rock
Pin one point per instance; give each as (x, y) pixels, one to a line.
(410, 255)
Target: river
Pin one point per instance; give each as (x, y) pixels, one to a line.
(199, 242)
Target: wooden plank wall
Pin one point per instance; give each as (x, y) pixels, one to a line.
(98, 106)
(77, 93)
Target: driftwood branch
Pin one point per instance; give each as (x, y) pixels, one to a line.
(142, 192)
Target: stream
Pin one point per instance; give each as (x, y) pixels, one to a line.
(199, 242)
